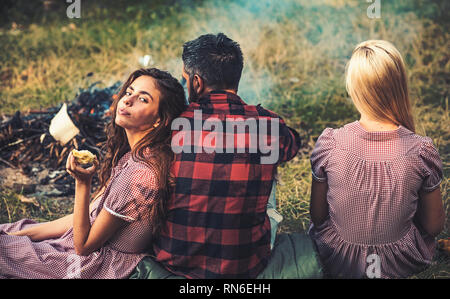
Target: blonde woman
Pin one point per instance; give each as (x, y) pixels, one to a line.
(376, 204)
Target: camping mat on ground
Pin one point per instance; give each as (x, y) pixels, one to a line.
(293, 257)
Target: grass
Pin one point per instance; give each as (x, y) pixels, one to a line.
(295, 54)
(44, 209)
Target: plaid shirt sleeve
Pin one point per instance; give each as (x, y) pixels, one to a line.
(290, 142)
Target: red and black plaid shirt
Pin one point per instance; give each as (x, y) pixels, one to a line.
(217, 225)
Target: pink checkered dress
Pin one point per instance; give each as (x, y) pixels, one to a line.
(373, 183)
(128, 195)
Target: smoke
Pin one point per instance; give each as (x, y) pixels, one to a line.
(294, 50)
(245, 22)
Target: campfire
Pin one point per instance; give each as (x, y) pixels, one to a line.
(41, 140)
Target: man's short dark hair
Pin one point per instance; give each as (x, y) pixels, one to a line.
(216, 59)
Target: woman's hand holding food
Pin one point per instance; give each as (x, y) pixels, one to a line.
(74, 168)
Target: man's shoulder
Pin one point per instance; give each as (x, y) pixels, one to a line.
(266, 112)
(234, 108)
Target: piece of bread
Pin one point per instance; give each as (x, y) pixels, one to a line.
(83, 156)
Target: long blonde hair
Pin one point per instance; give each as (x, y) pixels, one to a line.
(377, 83)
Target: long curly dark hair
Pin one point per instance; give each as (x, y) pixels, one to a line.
(171, 104)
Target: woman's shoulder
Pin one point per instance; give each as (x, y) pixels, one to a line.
(426, 148)
(419, 139)
(135, 167)
(330, 136)
(324, 144)
(346, 128)
(337, 132)
(418, 143)
(135, 170)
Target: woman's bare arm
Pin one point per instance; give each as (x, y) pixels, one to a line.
(319, 206)
(52, 229)
(87, 238)
(430, 212)
(48, 230)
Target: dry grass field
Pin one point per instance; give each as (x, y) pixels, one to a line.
(295, 54)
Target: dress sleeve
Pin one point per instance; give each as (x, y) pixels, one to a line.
(320, 155)
(431, 165)
(131, 195)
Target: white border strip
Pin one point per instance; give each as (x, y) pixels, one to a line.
(118, 215)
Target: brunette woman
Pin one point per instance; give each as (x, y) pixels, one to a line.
(109, 236)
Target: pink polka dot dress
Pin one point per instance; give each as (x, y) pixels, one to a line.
(128, 195)
(374, 179)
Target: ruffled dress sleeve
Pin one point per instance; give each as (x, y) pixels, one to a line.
(431, 166)
(132, 194)
(320, 155)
